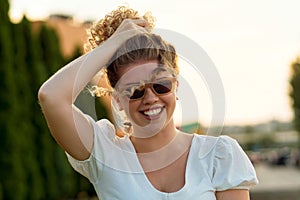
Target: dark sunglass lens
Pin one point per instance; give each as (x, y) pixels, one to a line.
(163, 87)
(138, 94)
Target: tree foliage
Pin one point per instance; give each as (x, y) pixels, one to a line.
(32, 165)
(295, 93)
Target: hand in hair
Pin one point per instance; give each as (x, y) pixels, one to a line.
(106, 27)
(131, 27)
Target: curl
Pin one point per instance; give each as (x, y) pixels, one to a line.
(105, 27)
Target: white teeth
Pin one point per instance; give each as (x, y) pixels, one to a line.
(153, 112)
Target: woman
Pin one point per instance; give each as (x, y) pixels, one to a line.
(153, 160)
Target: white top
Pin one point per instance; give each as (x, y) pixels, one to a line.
(213, 164)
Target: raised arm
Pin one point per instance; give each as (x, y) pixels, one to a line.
(70, 128)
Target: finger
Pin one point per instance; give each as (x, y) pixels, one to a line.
(140, 22)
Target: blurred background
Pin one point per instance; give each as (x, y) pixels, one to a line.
(254, 45)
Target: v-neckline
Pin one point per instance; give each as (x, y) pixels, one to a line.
(186, 173)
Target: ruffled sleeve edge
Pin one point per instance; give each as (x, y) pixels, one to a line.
(228, 148)
(81, 165)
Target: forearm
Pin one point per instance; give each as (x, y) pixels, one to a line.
(65, 85)
(71, 129)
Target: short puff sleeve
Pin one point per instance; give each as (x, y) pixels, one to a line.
(232, 167)
(91, 168)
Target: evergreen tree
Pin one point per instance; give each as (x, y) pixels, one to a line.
(32, 165)
(12, 176)
(51, 52)
(295, 94)
(26, 65)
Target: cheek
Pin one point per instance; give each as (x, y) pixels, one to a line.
(131, 107)
(170, 98)
(170, 101)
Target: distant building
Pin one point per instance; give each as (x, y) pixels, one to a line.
(72, 34)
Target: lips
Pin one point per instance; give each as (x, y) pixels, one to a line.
(153, 112)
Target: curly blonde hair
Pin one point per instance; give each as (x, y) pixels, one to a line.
(145, 46)
(104, 28)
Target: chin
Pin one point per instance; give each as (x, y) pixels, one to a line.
(148, 130)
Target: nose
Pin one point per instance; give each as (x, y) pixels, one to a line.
(150, 97)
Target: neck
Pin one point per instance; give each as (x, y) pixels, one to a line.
(155, 142)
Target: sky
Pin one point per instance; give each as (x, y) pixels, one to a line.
(251, 43)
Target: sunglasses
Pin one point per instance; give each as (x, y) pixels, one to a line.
(159, 87)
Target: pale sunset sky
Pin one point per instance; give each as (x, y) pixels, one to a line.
(251, 43)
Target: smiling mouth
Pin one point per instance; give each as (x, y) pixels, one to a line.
(152, 112)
